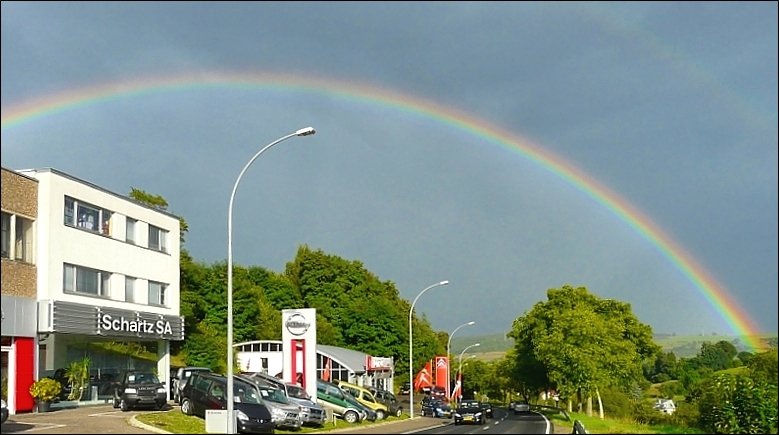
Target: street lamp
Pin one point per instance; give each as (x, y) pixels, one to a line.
(448, 352)
(460, 368)
(230, 408)
(411, 348)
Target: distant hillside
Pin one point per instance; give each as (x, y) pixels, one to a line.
(487, 343)
(683, 346)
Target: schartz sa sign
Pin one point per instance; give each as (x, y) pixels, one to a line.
(122, 324)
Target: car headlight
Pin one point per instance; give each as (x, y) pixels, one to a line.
(241, 415)
(278, 414)
(478, 414)
(130, 391)
(457, 414)
(305, 409)
(161, 390)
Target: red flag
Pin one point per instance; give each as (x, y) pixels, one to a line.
(424, 378)
(457, 387)
(441, 371)
(326, 372)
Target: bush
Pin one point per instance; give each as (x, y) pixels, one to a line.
(45, 389)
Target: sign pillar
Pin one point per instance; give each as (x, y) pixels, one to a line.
(298, 336)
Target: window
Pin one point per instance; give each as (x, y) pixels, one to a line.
(156, 293)
(87, 217)
(77, 279)
(23, 240)
(17, 243)
(157, 239)
(129, 289)
(130, 230)
(6, 224)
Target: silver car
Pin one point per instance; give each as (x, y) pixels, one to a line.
(311, 412)
(521, 406)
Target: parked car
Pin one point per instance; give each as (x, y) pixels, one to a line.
(139, 388)
(285, 414)
(333, 398)
(469, 411)
(521, 406)
(365, 397)
(206, 390)
(437, 408)
(390, 401)
(405, 389)
(182, 375)
(311, 413)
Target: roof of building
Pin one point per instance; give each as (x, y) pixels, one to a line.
(353, 359)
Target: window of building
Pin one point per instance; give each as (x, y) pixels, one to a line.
(17, 238)
(157, 238)
(86, 216)
(23, 240)
(130, 227)
(6, 235)
(129, 289)
(77, 279)
(156, 293)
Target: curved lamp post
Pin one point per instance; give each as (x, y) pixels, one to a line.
(230, 407)
(460, 368)
(449, 352)
(411, 348)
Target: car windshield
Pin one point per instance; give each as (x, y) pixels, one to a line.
(143, 378)
(297, 392)
(273, 395)
(245, 393)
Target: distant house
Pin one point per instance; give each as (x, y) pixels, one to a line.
(665, 405)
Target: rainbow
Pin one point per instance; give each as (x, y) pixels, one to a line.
(713, 292)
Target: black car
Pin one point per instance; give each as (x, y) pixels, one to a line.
(140, 388)
(405, 389)
(436, 408)
(487, 407)
(206, 390)
(470, 411)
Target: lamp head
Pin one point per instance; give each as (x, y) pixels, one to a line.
(471, 323)
(443, 283)
(305, 131)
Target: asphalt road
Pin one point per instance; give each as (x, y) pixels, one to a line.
(95, 419)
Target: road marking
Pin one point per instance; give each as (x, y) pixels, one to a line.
(115, 414)
(45, 426)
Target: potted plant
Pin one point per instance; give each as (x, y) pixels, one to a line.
(44, 391)
(78, 375)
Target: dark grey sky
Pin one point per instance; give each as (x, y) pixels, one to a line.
(672, 106)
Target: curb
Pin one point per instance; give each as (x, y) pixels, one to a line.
(139, 424)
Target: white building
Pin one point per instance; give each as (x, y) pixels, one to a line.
(107, 280)
(332, 363)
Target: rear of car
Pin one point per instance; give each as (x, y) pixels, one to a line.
(521, 406)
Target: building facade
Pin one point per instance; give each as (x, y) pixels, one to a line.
(19, 288)
(107, 282)
(332, 362)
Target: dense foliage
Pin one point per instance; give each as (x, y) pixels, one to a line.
(355, 309)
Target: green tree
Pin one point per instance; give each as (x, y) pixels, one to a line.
(738, 404)
(583, 343)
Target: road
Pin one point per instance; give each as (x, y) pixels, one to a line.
(97, 419)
